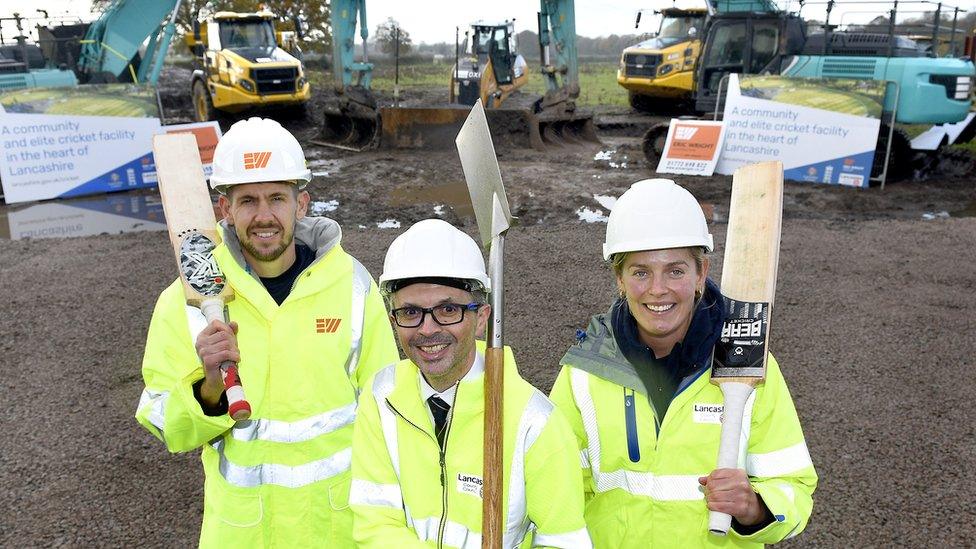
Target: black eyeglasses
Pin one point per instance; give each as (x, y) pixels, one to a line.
(444, 314)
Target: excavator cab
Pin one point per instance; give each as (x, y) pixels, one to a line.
(492, 68)
(744, 43)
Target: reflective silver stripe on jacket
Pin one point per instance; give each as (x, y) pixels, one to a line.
(455, 535)
(382, 387)
(779, 462)
(272, 430)
(156, 400)
(357, 313)
(289, 476)
(533, 421)
(660, 487)
(567, 540)
(363, 492)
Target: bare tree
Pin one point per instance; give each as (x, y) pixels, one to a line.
(386, 37)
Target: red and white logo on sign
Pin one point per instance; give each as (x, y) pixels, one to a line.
(255, 160)
(327, 325)
(684, 133)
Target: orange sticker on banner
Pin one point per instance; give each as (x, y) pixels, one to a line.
(694, 142)
(206, 141)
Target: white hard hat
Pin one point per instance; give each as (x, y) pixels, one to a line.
(433, 248)
(655, 214)
(258, 150)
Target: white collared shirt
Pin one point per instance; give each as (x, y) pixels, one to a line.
(447, 395)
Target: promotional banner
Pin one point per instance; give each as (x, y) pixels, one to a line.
(692, 147)
(823, 131)
(46, 156)
(61, 142)
(111, 214)
(57, 143)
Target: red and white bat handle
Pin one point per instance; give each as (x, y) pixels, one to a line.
(735, 395)
(237, 406)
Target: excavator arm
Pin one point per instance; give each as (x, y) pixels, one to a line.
(352, 120)
(110, 49)
(557, 48)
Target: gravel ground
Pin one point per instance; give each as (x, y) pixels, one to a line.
(870, 329)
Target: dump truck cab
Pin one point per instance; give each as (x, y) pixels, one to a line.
(491, 68)
(243, 66)
(660, 71)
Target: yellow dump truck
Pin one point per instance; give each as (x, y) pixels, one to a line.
(658, 73)
(244, 64)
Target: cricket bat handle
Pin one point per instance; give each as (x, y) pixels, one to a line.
(735, 395)
(237, 405)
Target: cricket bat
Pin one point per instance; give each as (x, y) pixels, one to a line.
(748, 286)
(193, 234)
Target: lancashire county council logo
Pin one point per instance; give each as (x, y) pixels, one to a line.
(327, 325)
(256, 160)
(685, 133)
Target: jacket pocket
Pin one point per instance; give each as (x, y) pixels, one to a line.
(239, 510)
(339, 492)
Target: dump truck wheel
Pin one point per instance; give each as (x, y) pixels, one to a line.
(202, 104)
(641, 103)
(653, 143)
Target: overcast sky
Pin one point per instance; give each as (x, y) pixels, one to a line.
(434, 20)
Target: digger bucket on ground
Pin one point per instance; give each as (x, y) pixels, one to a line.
(566, 128)
(353, 129)
(436, 127)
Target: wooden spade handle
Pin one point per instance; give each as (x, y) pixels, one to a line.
(491, 525)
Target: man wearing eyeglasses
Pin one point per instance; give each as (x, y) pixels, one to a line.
(417, 460)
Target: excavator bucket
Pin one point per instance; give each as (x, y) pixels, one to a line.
(566, 128)
(349, 131)
(436, 127)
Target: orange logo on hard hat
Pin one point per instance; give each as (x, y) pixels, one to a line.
(256, 160)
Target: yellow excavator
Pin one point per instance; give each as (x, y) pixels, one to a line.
(244, 64)
(491, 69)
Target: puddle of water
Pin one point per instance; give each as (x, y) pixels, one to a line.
(105, 214)
(454, 195)
(606, 201)
(388, 224)
(968, 211)
(591, 216)
(318, 209)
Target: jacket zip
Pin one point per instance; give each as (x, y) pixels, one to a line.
(443, 522)
(630, 417)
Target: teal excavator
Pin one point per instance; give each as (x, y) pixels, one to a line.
(127, 43)
(354, 120)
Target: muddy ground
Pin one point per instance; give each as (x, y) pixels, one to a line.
(873, 328)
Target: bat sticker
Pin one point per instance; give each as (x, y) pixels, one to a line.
(740, 350)
(199, 266)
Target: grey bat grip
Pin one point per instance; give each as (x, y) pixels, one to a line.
(735, 396)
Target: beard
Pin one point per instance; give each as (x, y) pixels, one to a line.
(267, 255)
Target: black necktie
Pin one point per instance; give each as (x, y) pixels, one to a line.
(439, 409)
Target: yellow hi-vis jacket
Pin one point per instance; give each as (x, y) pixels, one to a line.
(641, 472)
(406, 493)
(280, 479)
